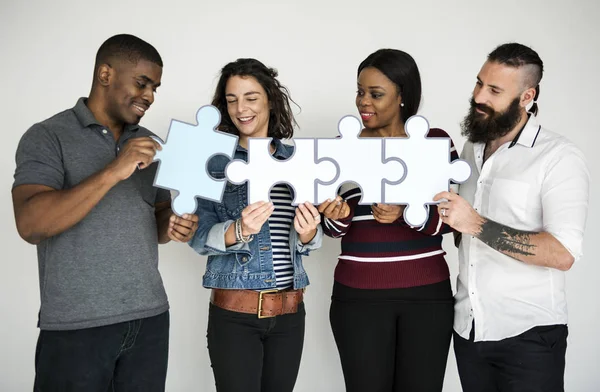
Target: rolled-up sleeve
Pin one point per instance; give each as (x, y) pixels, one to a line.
(315, 242)
(565, 198)
(209, 239)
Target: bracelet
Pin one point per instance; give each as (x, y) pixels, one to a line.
(239, 237)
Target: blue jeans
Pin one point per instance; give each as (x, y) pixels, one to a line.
(130, 356)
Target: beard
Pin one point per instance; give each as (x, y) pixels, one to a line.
(479, 128)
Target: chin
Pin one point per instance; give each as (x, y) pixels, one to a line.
(135, 120)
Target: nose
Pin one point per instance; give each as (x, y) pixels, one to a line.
(241, 105)
(148, 95)
(479, 95)
(363, 101)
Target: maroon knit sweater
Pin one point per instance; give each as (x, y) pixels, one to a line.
(381, 256)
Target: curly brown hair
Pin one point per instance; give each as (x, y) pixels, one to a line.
(281, 118)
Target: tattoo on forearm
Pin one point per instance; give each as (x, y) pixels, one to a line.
(506, 239)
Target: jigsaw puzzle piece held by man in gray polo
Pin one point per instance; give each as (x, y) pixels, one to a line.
(429, 169)
(183, 159)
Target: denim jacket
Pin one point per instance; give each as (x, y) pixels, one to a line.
(250, 265)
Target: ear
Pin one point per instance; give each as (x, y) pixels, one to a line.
(105, 74)
(527, 96)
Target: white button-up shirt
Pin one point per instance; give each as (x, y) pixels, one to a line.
(537, 182)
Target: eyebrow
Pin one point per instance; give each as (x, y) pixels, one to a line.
(491, 85)
(148, 80)
(371, 87)
(245, 94)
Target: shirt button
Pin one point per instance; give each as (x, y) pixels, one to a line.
(244, 258)
(104, 131)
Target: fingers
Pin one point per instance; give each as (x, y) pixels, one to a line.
(344, 211)
(255, 215)
(376, 209)
(187, 221)
(176, 236)
(313, 210)
(300, 218)
(256, 210)
(385, 207)
(146, 142)
(309, 214)
(444, 195)
(331, 207)
(323, 206)
(144, 158)
(336, 209)
(181, 229)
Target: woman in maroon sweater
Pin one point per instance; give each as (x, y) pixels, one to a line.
(392, 307)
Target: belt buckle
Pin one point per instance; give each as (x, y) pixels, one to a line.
(260, 300)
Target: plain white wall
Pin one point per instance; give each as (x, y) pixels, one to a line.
(47, 51)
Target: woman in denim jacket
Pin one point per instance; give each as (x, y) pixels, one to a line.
(256, 315)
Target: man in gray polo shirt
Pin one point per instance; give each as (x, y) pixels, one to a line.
(84, 194)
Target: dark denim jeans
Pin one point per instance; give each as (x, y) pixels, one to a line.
(533, 361)
(130, 356)
(249, 354)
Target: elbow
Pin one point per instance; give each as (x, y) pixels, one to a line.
(28, 234)
(566, 262)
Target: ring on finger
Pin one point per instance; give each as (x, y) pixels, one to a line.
(444, 212)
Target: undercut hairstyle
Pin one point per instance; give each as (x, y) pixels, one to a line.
(521, 56)
(281, 117)
(402, 70)
(126, 47)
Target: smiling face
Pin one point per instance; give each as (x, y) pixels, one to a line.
(377, 99)
(131, 90)
(498, 102)
(247, 106)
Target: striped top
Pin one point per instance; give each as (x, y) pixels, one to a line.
(280, 223)
(380, 256)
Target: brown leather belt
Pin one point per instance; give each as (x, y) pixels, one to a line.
(266, 303)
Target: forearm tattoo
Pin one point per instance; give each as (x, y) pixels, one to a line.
(506, 239)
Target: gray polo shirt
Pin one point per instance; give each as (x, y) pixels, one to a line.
(103, 270)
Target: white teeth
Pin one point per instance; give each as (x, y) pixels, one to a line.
(141, 109)
(244, 118)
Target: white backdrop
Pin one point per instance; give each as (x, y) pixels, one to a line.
(47, 51)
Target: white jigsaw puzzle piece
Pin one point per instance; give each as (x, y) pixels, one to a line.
(184, 156)
(429, 170)
(262, 171)
(359, 160)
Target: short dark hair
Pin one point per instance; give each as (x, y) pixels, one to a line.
(127, 47)
(402, 70)
(281, 118)
(517, 55)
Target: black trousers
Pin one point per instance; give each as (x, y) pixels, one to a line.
(394, 339)
(531, 362)
(124, 357)
(249, 354)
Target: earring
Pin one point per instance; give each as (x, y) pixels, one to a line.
(402, 104)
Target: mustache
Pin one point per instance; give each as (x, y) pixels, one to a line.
(483, 107)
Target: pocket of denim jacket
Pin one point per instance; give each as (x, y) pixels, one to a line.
(233, 201)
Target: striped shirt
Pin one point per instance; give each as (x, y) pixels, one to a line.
(280, 223)
(379, 256)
